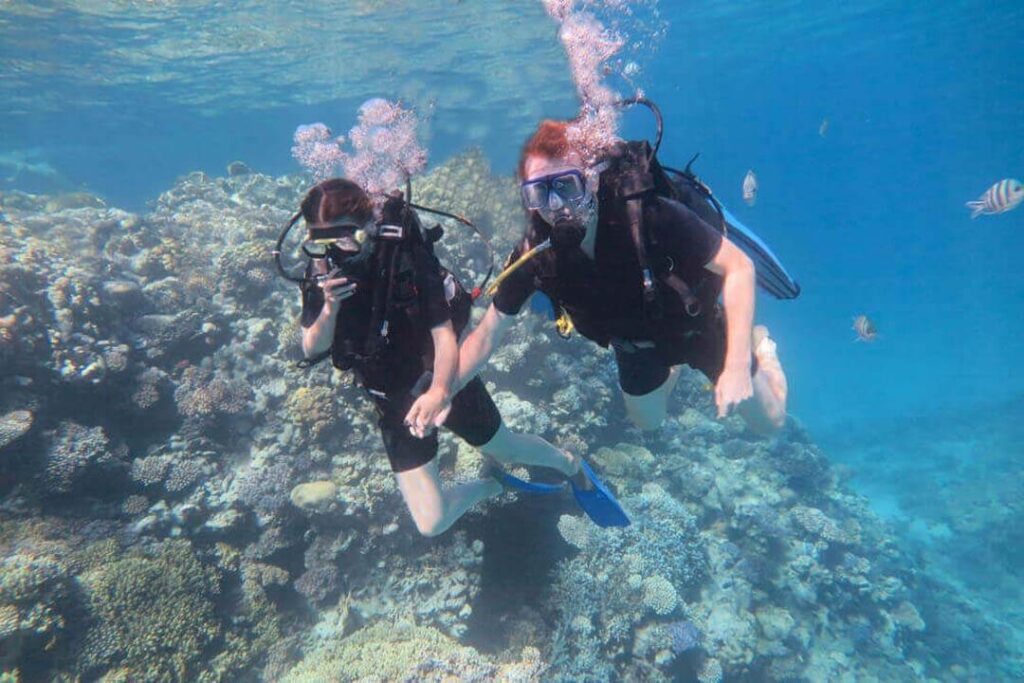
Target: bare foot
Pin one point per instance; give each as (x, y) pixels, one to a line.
(768, 362)
(580, 480)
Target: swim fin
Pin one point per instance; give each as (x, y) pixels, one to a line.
(598, 502)
(513, 482)
(772, 276)
(541, 305)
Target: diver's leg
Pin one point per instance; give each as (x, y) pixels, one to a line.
(646, 387)
(414, 461)
(433, 508)
(765, 412)
(528, 449)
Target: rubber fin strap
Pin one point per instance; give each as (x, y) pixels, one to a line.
(772, 276)
(492, 288)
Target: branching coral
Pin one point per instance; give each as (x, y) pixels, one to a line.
(73, 451)
(154, 615)
(35, 596)
(201, 393)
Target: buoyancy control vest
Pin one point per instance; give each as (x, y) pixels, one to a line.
(394, 290)
(632, 179)
(390, 275)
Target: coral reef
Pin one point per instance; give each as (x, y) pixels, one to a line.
(188, 505)
(74, 452)
(14, 425)
(154, 615)
(404, 652)
(35, 595)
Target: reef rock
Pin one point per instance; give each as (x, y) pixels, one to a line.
(14, 425)
(315, 495)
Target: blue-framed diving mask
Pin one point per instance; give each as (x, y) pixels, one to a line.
(563, 201)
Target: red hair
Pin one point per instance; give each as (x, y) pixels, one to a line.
(551, 139)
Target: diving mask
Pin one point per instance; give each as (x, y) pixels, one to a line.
(346, 234)
(563, 201)
(569, 186)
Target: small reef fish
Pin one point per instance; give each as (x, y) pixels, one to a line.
(750, 188)
(823, 128)
(1005, 195)
(865, 329)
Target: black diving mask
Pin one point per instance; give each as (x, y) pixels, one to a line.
(346, 234)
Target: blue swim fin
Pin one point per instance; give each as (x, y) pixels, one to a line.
(599, 503)
(772, 276)
(513, 482)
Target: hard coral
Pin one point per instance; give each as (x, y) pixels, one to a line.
(34, 599)
(153, 615)
(201, 393)
(386, 652)
(14, 425)
(313, 409)
(74, 450)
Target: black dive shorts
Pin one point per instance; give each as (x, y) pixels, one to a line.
(644, 369)
(474, 418)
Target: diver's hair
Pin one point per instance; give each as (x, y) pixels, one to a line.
(331, 199)
(551, 139)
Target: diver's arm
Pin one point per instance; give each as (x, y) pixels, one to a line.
(735, 385)
(319, 336)
(477, 347)
(738, 288)
(431, 408)
(446, 359)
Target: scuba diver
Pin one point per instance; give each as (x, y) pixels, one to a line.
(631, 257)
(376, 301)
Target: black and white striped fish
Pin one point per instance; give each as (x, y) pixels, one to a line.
(1005, 195)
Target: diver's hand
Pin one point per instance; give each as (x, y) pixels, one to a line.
(733, 388)
(428, 412)
(336, 290)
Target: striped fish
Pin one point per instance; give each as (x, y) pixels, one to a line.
(750, 188)
(1005, 195)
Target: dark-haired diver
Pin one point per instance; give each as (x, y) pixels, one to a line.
(377, 302)
(630, 265)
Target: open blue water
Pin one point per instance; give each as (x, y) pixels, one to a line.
(925, 103)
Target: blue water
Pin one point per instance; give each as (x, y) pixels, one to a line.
(925, 103)
(924, 106)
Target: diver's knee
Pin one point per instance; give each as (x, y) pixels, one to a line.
(647, 423)
(776, 419)
(499, 445)
(428, 523)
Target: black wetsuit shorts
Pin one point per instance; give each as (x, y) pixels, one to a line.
(474, 418)
(643, 367)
